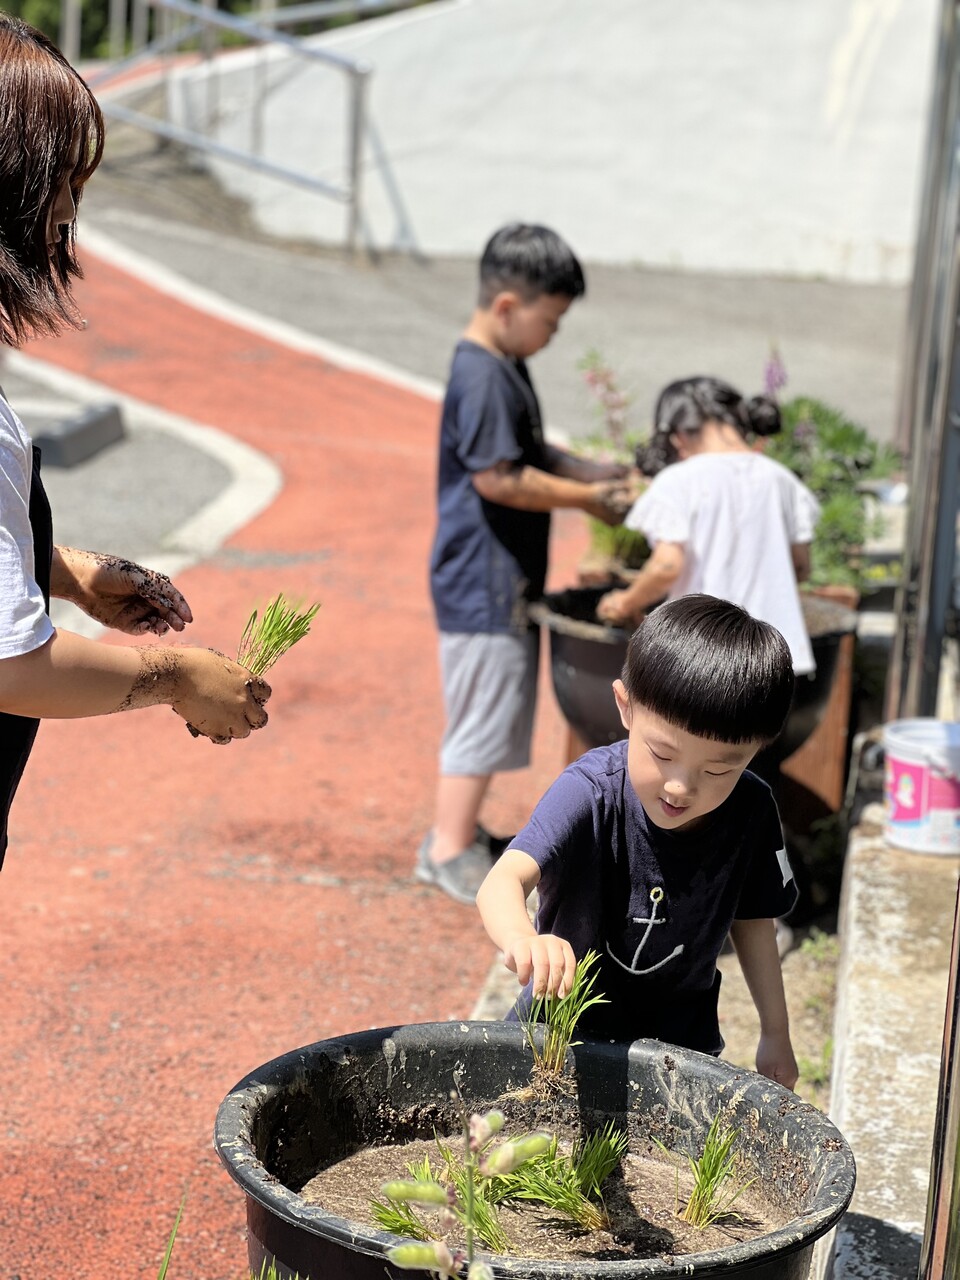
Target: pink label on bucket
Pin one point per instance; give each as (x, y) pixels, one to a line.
(905, 791)
(944, 793)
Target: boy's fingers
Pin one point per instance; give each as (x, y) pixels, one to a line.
(569, 973)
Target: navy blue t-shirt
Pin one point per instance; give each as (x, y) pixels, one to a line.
(656, 905)
(488, 560)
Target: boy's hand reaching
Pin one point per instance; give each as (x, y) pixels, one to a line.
(776, 1061)
(545, 958)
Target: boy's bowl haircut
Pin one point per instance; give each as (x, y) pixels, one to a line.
(710, 668)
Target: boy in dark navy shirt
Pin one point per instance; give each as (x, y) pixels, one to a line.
(652, 850)
(498, 482)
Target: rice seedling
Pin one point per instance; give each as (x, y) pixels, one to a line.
(266, 639)
(596, 1157)
(161, 1274)
(712, 1198)
(466, 1195)
(560, 1017)
(486, 1220)
(552, 1180)
(266, 1272)
(568, 1184)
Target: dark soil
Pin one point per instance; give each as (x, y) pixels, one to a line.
(642, 1200)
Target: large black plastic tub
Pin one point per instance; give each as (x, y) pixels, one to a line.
(586, 657)
(316, 1105)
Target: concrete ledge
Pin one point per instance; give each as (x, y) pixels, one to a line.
(66, 441)
(896, 926)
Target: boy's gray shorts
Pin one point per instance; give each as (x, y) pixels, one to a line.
(490, 693)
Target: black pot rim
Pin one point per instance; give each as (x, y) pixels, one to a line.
(544, 613)
(233, 1143)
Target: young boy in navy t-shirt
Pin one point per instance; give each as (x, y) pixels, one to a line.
(498, 482)
(652, 850)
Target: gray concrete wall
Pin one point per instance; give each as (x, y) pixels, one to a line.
(725, 135)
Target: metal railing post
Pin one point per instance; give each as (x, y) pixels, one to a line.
(358, 120)
(139, 25)
(940, 1252)
(118, 28)
(69, 39)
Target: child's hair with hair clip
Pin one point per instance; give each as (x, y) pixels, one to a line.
(710, 668)
(529, 260)
(685, 406)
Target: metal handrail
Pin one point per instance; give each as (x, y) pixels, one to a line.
(203, 20)
(291, 13)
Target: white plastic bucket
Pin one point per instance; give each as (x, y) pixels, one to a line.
(922, 785)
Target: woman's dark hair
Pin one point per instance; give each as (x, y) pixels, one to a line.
(706, 666)
(48, 118)
(531, 261)
(684, 407)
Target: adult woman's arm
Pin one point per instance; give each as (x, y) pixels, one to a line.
(651, 584)
(70, 677)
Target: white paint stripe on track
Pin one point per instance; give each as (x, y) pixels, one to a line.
(288, 335)
(255, 480)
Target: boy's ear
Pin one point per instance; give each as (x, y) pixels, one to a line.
(624, 705)
(504, 304)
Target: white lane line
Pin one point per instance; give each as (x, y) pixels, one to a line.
(205, 300)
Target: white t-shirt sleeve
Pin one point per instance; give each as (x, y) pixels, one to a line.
(802, 511)
(662, 512)
(24, 623)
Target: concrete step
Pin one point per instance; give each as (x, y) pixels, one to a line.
(66, 431)
(896, 927)
(69, 428)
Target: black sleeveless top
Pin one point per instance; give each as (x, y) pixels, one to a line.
(17, 732)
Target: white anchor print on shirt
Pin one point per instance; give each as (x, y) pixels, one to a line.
(656, 897)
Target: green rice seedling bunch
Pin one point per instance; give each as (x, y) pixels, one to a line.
(486, 1220)
(463, 1199)
(596, 1157)
(560, 1017)
(552, 1180)
(266, 639)
(568, 1184)
(399, 1217)
(715, 1187)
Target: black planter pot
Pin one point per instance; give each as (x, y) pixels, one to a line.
(314, 1106)
(586, 657)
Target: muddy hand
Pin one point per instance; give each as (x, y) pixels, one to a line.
(615, 608)
(609, 501)
(125, 596)
(218, 698)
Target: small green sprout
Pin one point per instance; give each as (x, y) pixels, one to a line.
(266, 639)
(560, 1017)
(161, 1274)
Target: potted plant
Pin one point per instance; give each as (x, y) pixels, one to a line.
(324, 1106)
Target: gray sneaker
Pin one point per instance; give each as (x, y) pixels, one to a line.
(460, 877)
